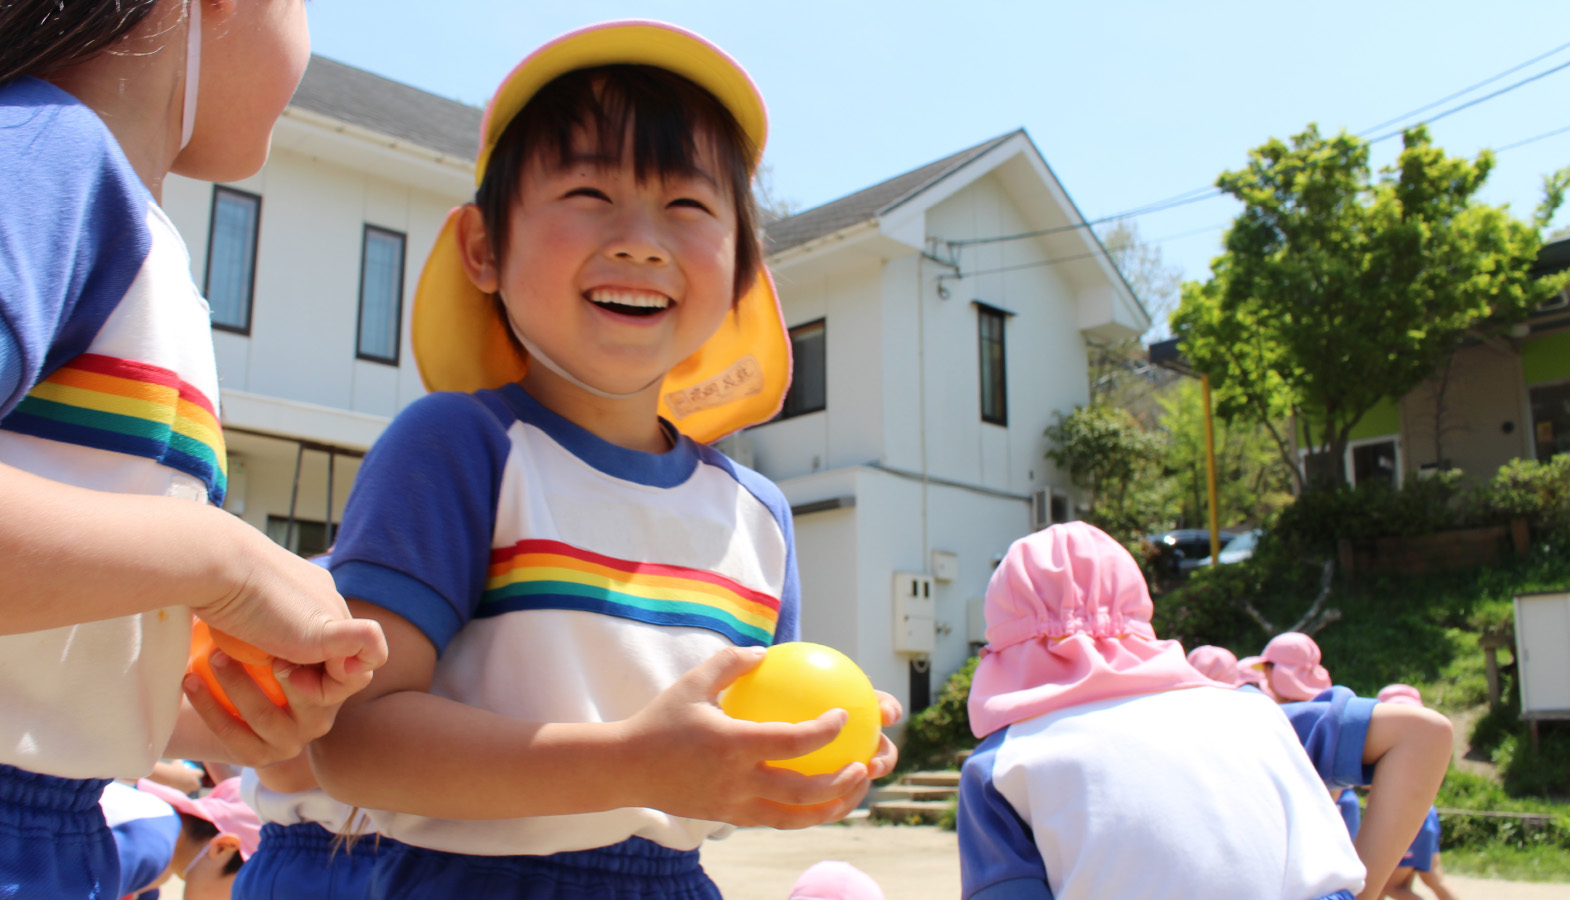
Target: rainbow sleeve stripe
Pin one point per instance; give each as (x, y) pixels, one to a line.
(540, 574)
(128, 407)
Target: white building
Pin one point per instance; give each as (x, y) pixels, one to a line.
(930, 358)
(310, 268)
(927, 367)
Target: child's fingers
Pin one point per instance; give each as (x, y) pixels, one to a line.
(259, 713)
(716, 673)
(353, 646)
(889, 707)
(787, 740)
(791, 788)
(884, 760)
(242, 744)
(774, 814)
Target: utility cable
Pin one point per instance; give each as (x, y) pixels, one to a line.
(1471, 103)
(1464, 91)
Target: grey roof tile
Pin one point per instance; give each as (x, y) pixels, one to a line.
(388, 107)
(868, 203)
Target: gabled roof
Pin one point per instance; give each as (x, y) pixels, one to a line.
(868, 203)
(388, 107)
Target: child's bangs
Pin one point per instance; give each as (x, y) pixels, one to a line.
(657, 116)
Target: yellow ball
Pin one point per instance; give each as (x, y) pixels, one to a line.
(798, 682)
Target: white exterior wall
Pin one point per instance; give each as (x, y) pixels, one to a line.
(305, 308)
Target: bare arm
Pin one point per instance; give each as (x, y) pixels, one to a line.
(1409, 747)
(398, 747)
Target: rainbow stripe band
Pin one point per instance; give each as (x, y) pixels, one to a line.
(542, 574)
(128, 407)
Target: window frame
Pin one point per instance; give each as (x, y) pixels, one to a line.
(256, 238)
(359, 317)
(786, 412)
(1532, 412)
(985, 313)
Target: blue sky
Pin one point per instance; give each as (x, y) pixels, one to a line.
(1129, 102)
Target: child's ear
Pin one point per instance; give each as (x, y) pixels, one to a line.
(223, 846)
(474, 248)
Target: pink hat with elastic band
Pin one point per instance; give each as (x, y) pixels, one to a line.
(1216, 663)
(1251, 670)
(1297, 674)
(835, 880)
(221, 806)
(1068, 622)
(1400, 693)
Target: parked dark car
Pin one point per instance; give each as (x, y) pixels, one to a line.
(1182, 548)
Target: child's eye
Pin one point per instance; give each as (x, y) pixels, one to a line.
(595, 193)
(690, 203)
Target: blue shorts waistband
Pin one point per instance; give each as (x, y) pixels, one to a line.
(637, 857)
(19, 787)
(1340, 895)
(313, 837)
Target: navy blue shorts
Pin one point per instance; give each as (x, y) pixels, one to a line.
(54, 842)
(307, 862)
(1420, 855)
(635, 869)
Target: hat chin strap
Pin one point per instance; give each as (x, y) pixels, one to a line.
(535, 353)
(193, 68)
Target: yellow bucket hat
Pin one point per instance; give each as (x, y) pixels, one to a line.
(739, 377)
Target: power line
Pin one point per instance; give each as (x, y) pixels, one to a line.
(1533, 140)
(1464, 91)
(1471, 103)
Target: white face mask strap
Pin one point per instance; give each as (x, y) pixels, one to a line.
(536, 354)
(193, 68)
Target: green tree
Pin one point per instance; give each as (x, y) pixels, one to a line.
(1104, 449)
(1120, 373)
(1336, 290)
(1252, 481)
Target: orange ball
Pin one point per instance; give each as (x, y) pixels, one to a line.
(257, 664)
(799, 681)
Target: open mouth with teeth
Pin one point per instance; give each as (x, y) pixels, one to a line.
(629, 303)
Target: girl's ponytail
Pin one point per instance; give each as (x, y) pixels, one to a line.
(38, 36)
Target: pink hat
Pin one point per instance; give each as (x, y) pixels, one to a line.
(1297, 674)
(1216, 663)
(1400, 693)
(1251, 670)
(221, 806)
(835, 880)
(1068, 622)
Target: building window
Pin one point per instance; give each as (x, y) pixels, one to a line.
(808, 384)
(231, 258)
(307, 537)
(381, 294)
(1375, 460)
(1550, 419)
(994, 380)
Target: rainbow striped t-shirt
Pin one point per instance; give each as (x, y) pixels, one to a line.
(561, 579)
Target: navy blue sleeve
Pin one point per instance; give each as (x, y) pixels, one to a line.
(1333, 728)
(73, 232)
(998, 858)
(145, 847)
(416, 533)
(788, 626)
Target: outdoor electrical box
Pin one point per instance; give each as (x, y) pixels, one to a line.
(915, 613)
(1542, 637)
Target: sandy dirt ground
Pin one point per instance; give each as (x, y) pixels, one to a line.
(912, 863)
(922, 863)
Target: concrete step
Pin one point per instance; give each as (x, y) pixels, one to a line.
(926, 811)
(898, 792)
(940, 779)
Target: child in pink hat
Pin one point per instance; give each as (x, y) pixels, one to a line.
(1422, 858)
(1215, 663)
(1111, 767)
(218, 832)
(1292, 668)
(1251, 670)
(835, 880)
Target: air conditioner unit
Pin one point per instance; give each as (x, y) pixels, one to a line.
(915, 613)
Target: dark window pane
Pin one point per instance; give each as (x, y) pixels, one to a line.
(1551, 419)
(381, 294)
(1374, 462)
(994, 385)
(231, 257)
(809, 383)
(307, 538)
